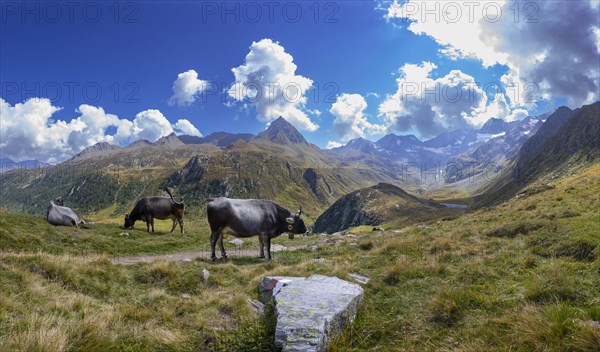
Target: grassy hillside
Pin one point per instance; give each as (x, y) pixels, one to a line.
(292, 175)
(376, 205)
(520, 276)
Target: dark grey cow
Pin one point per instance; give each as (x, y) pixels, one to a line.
(162, 208)
(250, 217)
(58, 214)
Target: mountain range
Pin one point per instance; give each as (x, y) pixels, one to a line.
(279, 164)
(7, 164)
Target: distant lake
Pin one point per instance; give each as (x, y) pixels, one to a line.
(458, 206)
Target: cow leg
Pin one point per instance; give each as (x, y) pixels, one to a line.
(214, 236)
(261, 246)
(147, 224)
(174, 225)
(221, 246)
(180, 220)
(267, 241)
(152, 222)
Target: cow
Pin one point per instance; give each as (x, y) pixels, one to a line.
(162, 208)
(250, 217)
(58, 214)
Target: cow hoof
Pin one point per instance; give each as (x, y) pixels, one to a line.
(224, 257)
(214, 259)
(261, 256)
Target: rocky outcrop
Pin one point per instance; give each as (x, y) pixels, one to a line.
(193, 171)
(310, 311)
(374, 206)
(317, 183)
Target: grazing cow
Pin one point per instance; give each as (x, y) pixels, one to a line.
(58, 214)
(250, 217)
(162, 208)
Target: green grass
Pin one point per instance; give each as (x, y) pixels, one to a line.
(520, 276)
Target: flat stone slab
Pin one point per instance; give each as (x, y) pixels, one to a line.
(310, 311)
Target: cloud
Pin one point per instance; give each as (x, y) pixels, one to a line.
(453, 25)
(350, 120)
(187, 88)
(186, 127)
(558, 53)
(434, 105)
(268, 81)
(30, 131)
(151, 125)
(548, 55)
(333, 144)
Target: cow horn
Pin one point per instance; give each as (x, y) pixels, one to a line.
(299, 212)
(290, 220)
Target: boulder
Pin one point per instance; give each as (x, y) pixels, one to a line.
(310, 311)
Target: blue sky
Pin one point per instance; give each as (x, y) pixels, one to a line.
(126, 58)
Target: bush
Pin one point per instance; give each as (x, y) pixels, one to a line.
(513, 230)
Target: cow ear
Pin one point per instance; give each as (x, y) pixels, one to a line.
(290, 220)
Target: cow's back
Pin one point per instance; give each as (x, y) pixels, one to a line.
(159, 207)
(243, 216)
(58, 215)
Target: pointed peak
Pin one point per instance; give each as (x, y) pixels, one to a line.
(171, 139)
(494, 125)
(281, 131)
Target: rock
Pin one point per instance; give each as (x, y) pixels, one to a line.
(359, 278)
(319, 260)
(186, 260)
(126, 234)
(310, 311)
(378, 229)
(270, 286)
(260, 308)
(185, 295)
(237, 242)
(277, 248)
(351, 236)
(340, 233)
(314, 248)
(206, 274)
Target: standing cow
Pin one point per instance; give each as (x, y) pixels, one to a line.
(162, 208)
(250, 217)
(58, 214)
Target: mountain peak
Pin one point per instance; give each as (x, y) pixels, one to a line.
(99, 148)
(171, 139)
(494, 126)
(138, 144)
(281, 131)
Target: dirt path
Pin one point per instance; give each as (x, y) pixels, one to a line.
(190, 256)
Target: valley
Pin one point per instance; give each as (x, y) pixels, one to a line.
(501, 261)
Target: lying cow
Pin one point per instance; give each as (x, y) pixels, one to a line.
(162, 208)
(58, 214)
(250, 217)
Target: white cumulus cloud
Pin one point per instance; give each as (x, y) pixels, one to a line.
(268, 81)
(350, 120)
(30, 130)
(333, 144)
(186, 127)
(434, 105)
(187, 88)
(550, 47)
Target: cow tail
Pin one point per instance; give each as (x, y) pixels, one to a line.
(170, 195)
